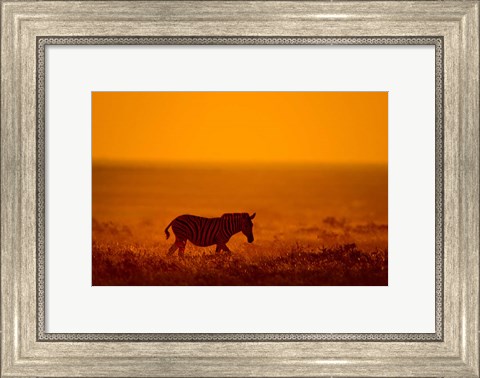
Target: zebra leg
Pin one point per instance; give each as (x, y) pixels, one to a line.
(222, 247)
(181, 248)
(172, 249)
(179, 244)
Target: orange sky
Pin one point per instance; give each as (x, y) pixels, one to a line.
(296, 127)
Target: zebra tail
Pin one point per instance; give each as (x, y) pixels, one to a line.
(166, 230)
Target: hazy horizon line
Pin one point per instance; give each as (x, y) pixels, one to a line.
(162, 164)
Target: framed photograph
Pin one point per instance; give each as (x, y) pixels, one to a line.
(215, 188)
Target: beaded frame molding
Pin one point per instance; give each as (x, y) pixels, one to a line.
(437, 42)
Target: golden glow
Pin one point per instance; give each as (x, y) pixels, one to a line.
(270, 127)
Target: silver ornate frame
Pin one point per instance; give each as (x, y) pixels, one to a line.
(43, 42)
(452, 351)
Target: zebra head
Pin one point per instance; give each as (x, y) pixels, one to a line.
(247, 226)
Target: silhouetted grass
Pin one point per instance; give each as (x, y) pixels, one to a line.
(140, 266)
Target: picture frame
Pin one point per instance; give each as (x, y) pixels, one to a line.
(452, 26)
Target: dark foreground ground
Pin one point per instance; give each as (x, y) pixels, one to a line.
(343, 265)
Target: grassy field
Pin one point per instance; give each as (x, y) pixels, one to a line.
(119, 260)
(314, 226)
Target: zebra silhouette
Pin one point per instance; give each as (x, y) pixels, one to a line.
(204, 232)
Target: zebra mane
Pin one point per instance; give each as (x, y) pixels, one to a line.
(233, 215)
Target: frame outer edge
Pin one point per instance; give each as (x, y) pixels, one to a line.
(10, 186)
(469, 184)
(10, 229)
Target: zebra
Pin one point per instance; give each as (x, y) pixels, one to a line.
(204, 232)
